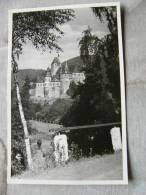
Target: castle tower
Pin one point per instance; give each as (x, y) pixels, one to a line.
(66, 71)
(55, 66)
(48, 76)
(65, 80)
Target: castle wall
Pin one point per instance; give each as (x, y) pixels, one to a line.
(52, 90)
(47, 79)
(66, 76)
(39, 91)
(78, 77)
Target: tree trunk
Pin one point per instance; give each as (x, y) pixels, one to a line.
(24, 124)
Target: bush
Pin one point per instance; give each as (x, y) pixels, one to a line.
(74, 152)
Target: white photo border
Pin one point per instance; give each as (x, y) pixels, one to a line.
(124, 181)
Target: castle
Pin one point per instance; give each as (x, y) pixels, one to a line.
(56, 82)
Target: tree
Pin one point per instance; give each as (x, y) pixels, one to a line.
(108, 14)
(42, 28)
(72, 88)
(98, 98)
(26, 98)
(110, 51)
(17, 137)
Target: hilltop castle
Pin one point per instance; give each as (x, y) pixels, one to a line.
(56, 82)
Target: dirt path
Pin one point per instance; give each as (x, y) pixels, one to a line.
(107, 167)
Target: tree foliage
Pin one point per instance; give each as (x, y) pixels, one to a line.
(72, 89)
(110, 49)
(108, 14)
(98, 98)
(42, 28)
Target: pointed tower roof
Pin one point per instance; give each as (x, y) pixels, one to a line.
(66, 70)
(61, 69)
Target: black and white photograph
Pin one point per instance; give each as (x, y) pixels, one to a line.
(66, 96)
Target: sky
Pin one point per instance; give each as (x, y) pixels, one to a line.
(84, 17)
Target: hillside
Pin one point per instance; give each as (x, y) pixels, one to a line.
(32, 74)
(74, 64)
